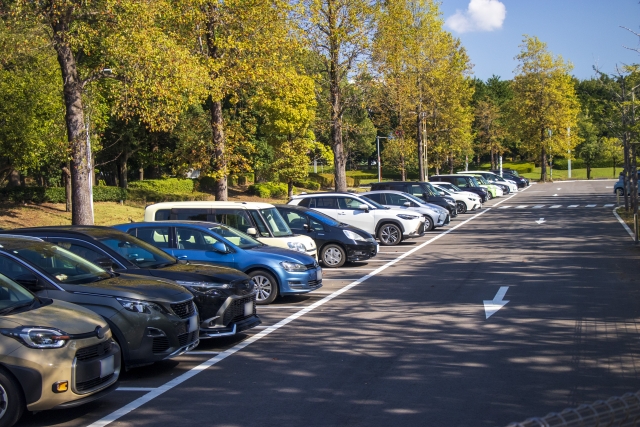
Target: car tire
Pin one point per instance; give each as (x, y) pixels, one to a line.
(619, 192)
(428, 223)
(389, 234)
(11, 400)
(489, 195)
(333, 256)
(462, 207)
(266, 285)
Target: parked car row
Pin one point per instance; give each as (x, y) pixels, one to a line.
(79, 304)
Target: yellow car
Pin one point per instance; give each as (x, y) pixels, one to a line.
(53, 354)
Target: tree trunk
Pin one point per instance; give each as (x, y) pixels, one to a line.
(290, 189)
(14, 179)
(220, 162)
(634, 180)
(124, 169)
(336, 111)
(81, 212)
(420, 140)
(626, 171)
(66, 173)
(451, 164)
(588, 171)
(493, 159)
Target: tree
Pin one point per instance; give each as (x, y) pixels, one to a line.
(400, 155)
(591, 147)
(489, 129)
(544, 104)
(338, 32)
(123, 40)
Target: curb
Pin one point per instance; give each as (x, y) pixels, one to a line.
(624, 224)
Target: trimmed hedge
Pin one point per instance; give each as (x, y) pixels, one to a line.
(307, 184)
(269, 190)
(563, 164)
(328, 180)
(169, 185)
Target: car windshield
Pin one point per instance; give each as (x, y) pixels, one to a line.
(443, 190)
(454, 188)
(326, 220)
(432, 191)
(275, 222)
(238, 238)
(138, 252)
(372, 203)
(13, 295)
(413, 198)
(60, 264)
(481, 180)
(474, 181)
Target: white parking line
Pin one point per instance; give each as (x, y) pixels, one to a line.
(538, 206)
(119, 413)
(504, 207)
(522, 206)
(608, 205)
(555, 206)
(590, 206)
(573, 206)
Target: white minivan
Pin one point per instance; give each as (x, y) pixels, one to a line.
(260, 220)
(391, 226)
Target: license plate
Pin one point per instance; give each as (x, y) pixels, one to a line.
(107, 366)
(193, 324)
(319, 273)
(377, 248)
(248, 308)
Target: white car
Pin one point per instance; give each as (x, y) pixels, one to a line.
(260, 220)
(497, 179)
(434, 215)
(391, 226)
(465, 200)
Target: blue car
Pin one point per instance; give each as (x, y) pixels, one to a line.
(274, 271)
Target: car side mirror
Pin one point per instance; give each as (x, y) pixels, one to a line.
(407, 204)
(252, 231)
(220, 248)
(30, 282)
(363, 207)
(306, 227)
(105, 263)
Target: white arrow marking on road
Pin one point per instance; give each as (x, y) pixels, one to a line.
(554, 195)
(541, 221)
(492, 306)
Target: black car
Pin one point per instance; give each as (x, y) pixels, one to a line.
(151, 319)
(464, 182)
(337, 242)
(423, 190)
(225, 297)
(520, 181)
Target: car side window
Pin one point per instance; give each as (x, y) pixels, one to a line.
(11, 268)
(156, 236)
(306, 202)
(162, 215)
(315, 225)
(416, 190)
(397, 187)
(235, 218)
(377, 197)
(294, 220)
(189, 214)
(191, 239)
(396, 199)
(262, 227)
(84, 251)
(349, 203)
(461, 182)
(326, 203)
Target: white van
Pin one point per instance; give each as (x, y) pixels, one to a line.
(260, 220)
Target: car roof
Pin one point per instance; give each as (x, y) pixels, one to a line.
(326, 193)
(398, 182)
(211, 204)
(172, 223)
(86, 230)
(384, 191)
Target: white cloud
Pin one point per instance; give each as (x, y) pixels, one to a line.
(481, 15)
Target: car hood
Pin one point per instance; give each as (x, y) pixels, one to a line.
(280, 254)
(193, 269)
(356, 230)
(67, 317)
(136, 287)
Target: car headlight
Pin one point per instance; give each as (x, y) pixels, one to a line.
(407, 217)
(354, 236)
(38, 336)
(293, 266)
(451, 202)
(203, 287)
(139, 306)
(297, 246)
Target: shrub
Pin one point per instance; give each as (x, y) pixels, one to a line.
(143, 195)
(269, 190)
(207, 184)
(307, 184)
(169, 185)
(327, 180)
(57, 194)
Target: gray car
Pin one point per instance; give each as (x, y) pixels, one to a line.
(434, 215)
(151, 319)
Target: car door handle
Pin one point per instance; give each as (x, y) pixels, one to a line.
(341, 213)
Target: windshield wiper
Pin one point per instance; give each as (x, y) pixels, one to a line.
(15, 307)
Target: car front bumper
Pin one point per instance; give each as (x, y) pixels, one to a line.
(236, 314)
(299, 282)
(361, 252)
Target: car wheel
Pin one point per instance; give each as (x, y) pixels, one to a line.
(462, 207)
(428, 223)
(389, 235)
(11, 400)
(333, 256)
(489, 195)
(266, 285)
(619, 192)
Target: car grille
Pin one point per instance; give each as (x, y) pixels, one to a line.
(313, 283)
(311, 266)
(185, 339)
(93, 383)
(160, 344)
(184, 309)
(94, 351)
(235, 311)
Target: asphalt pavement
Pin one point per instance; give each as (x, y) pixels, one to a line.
(405, 340)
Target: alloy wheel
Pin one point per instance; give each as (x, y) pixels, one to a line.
(4, 401)
(264, 287)
(390, 234)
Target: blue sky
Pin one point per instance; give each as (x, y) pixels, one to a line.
(585, 32)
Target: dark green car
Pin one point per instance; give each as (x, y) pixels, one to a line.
(152, 319)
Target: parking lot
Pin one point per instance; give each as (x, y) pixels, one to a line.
(406, 338)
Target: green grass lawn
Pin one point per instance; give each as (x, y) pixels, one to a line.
(575, 174)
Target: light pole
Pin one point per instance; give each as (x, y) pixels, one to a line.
(378, 147)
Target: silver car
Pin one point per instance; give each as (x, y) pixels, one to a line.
(434, 215)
